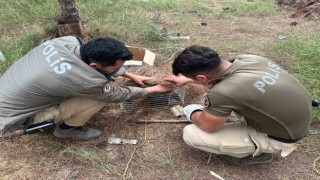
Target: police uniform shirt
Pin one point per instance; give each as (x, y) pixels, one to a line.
(52, 73)
(271, 100)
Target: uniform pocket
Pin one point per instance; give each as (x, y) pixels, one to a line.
(238, 144)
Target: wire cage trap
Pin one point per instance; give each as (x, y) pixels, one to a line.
(155, 101)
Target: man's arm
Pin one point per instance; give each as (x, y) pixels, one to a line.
(179, 80)
(158, 89)
(136, 78)
(114, 93)
(207, 122)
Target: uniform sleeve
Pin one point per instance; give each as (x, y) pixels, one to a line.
(113, 93)
(110, 93)
(81, 83)
(221, 105)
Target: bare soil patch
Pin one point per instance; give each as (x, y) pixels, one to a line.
(309, 9)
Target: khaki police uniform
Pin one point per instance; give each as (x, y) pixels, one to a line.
(52, 82)
(275, 106)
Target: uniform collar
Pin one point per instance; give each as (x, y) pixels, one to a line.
(77, 52)
(235, 64)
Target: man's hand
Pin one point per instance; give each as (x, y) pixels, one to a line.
(159, 88)
(140, 79)
(178, 80)
(136, 78)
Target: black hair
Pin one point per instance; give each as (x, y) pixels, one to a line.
(195, 60)
(105, 51)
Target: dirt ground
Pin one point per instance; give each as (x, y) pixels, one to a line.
(161, 152)
(302, 8)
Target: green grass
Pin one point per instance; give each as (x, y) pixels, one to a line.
(187, 175)
(302, 54)
(100, 162)
(23, 12)
(23, 24)
(315, 146)
(127, 20)
(156, 5)
(314, 133)
(15, 48)
(168, 162)
(241, 8)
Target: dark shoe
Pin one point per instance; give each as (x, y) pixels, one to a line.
(248, 160)
(77, 133)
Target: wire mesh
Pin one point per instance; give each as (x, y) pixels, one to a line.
(155, 101)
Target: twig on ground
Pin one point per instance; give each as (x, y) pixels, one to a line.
(315, 164)
(174, 169)
(162, 121)
(124, 176)
(172, 56)
(209, 159)
(216, 175)
(165, 48)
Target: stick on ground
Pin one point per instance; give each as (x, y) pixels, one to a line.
(161, 121)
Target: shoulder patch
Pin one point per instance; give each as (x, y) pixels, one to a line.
(206, 101)
(108, 88)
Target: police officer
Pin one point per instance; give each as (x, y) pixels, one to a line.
(67, 81)
(275, 106)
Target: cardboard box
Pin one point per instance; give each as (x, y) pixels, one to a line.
(140, 56)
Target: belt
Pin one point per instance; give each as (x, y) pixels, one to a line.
(284, 140)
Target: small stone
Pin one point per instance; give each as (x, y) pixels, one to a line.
(204, 24)
(294, 23)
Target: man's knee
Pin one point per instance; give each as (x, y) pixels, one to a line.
(189, 134)
(79, 104)
(47, 114)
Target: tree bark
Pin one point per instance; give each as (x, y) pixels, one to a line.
(70, 12)
(70, 22)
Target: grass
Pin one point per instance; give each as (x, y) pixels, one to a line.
(97, 161)
(24, 23)
(313, 148)
(242, 8)
(15, 49)
(27, 21)
(304, 54)
(168, 162)
(24, 12)
(127, 21)
(187, 175)
(134, 22)
(22, 26)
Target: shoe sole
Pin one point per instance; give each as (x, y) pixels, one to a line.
(65, 137)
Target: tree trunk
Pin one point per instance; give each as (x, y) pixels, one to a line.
(70, 12)
(70, 21)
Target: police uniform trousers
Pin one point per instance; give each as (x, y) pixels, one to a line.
(74, 112)
(235, 139)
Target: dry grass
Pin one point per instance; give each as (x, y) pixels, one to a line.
(163, 156)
